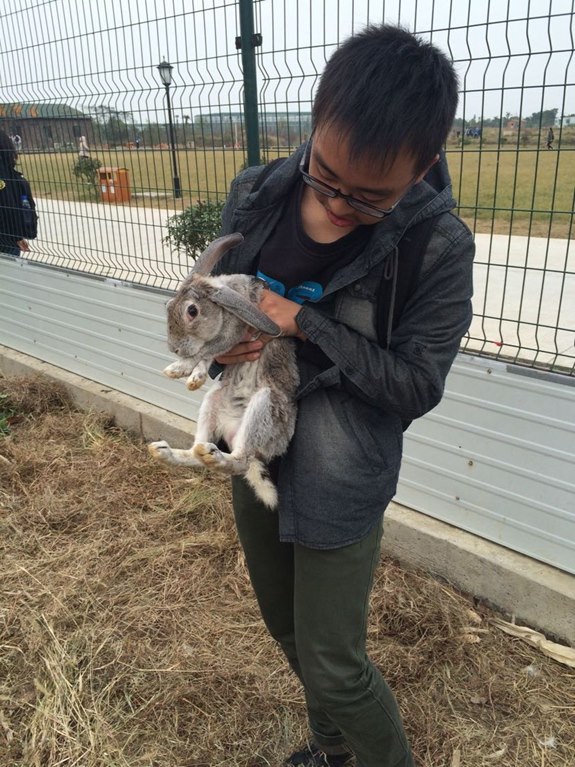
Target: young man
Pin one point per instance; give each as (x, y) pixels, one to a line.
(323, 229)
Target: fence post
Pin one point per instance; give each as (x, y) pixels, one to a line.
(248, 41)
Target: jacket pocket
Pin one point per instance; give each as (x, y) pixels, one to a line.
(378, 435)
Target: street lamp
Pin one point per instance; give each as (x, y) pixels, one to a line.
(186, 123)
(165, 70)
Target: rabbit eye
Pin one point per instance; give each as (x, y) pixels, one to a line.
(192, 311)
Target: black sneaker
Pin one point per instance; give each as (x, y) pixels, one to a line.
(312, 756)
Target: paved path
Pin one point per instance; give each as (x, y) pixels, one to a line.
(524, 287)
(116, 241)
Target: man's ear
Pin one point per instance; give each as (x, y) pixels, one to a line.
(426, 171)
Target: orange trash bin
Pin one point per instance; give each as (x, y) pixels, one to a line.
(114, 184)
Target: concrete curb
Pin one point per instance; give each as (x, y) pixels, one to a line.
(531, 592)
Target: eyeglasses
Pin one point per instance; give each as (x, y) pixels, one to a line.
(330, 191)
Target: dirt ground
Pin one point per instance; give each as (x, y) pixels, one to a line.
(129, 635)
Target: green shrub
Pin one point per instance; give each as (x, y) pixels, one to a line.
(193, 229)
(86, 169)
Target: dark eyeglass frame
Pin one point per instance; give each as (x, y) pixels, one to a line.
(331, 191)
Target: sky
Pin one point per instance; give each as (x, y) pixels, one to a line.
(512, 56)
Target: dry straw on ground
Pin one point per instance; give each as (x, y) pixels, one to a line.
(130, 638)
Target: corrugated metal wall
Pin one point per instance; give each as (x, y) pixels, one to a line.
(104, 330)
(496, 458)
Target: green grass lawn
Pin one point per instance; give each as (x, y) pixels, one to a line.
(524, 191)
(202, 173)
(501, 189)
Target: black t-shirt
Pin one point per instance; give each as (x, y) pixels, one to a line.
(297, 267)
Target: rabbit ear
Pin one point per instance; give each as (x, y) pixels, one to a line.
(245, 310)
(215, 250)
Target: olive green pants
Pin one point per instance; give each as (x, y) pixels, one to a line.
(315, 604)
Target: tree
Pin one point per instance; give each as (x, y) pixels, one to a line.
(86, 169)
(153, 134)
(543, 119)
(113, 125)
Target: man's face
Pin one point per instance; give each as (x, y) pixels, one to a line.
(329, 162)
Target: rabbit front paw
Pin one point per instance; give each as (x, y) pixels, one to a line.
(196, 380)
(178, 369)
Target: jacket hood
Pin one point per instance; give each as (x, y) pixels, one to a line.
(432, 196)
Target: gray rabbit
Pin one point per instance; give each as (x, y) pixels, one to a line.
(252, 406)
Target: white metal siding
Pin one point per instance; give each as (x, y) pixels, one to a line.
(103, 330)
(495, 458)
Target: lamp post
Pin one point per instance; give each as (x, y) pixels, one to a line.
(165, 70)
(186, 122)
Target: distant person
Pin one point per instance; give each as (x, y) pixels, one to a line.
(137, 143)
(83, 148)
(18, 218)
(17, 141)
(550, 138)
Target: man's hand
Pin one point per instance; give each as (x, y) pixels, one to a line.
(283, 312)
(246, 351)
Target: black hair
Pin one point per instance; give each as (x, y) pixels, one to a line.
(386, 90)
(8, 154)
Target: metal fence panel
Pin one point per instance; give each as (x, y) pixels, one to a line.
(69, 70)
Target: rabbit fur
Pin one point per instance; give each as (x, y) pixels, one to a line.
(252, 406)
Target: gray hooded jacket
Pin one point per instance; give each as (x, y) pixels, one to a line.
(342, 466)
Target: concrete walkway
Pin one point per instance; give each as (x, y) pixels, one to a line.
(524, 287)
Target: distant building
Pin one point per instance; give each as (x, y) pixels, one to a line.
(512, 127)
(44, 127)
(279, 128)
(566, 121)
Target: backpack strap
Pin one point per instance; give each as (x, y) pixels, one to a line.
(411, 251)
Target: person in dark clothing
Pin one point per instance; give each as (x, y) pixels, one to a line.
(323, 230)
(550, 138)
(16, 202)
